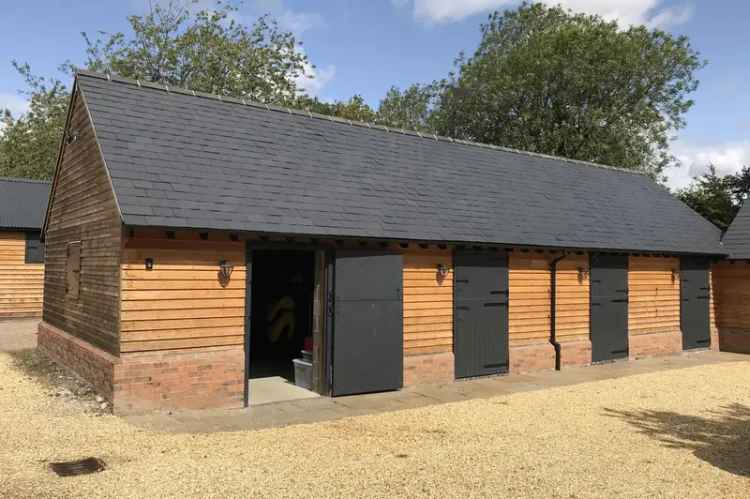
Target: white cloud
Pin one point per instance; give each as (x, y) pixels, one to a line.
(627, 12)
(315, 79)
(728, 157)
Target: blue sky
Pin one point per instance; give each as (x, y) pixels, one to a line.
(365, 47)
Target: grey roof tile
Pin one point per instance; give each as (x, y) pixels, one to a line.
(23, 203)
(736, 241)
(178, 160)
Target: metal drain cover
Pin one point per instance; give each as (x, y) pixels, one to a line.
(80, 467)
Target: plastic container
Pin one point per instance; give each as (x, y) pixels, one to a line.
(303, 373)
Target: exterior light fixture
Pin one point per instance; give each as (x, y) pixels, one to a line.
(225, 272)
(442, 271)
(71, 136)
(149, 264)
(583, 273)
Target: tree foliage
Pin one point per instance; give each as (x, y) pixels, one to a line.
(355, 109)
(717, 198)
(409, 109)
(208, 51)
(547, 80)
(29, 143)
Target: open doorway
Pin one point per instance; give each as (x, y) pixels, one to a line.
(281, 325)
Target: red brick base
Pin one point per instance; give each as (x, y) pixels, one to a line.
(429, 368)
(734, 340)
(135, 382)
(575, 353)
(90, 363)
(533, 357)
(655, 344)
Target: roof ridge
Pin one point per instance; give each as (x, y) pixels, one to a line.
(24, 180)
(306, 113)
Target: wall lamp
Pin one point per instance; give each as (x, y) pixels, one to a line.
(225, 272)
(583, 273)
(149, 263)
(442, 271)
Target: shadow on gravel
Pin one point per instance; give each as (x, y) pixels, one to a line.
(57, 381)
(723, 439)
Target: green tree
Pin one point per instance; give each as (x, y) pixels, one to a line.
(710, 196)
(716, 198)
(355, 109)
(411, 109)
(547, 80)
(206, 51)
(29, 143)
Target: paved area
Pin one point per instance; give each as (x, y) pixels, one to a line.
(276, 389)
(325, 408)
(17, 334)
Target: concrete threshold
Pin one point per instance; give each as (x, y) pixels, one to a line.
(313, 410)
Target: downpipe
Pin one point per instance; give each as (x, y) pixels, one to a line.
(553, 310)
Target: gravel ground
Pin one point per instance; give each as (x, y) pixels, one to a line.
(679, 433)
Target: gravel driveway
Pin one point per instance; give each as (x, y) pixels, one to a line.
(678, 433)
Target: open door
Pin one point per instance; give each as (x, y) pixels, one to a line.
(694, 302)
(480, 331)
(609, 307)
(368, 352)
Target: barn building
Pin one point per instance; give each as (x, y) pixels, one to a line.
(732, 283)
(196, 243)
(22, 206)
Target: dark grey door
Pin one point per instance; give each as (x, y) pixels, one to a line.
(694, 302)
(368, 353)
(480, 330)
(609, 307)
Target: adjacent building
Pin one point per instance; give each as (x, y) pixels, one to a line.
(195, 242)
(732, 283)
(22, 206)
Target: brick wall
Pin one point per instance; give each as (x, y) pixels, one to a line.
(655, 344)
(531, 357)
(733, 340)
(575, 353)
(135, 382)
(429, 368)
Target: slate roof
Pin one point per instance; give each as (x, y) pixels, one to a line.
(183, 160)
(736, 241)
(23, 203)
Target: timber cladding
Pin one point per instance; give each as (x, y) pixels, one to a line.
(83, 209)
(428, 302)
(181, 303)
(732, 295)
(21, 284)
(654, 295)
(529, 305)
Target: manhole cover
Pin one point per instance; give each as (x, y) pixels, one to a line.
(80, 467)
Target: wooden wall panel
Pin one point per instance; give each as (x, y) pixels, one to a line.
(181, 302)
(83, 208)
(530, 288)
(573, 302)
(731, 293)
(654, 295)
(21, 284)
(428, 303)
(529, 298)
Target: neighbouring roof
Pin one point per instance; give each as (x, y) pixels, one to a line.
(736, 241)
(23, 203)
(178, 159)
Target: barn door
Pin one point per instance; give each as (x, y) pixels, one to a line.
(694, 302)
(367, 345)
(480, 332)
(609, 307)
